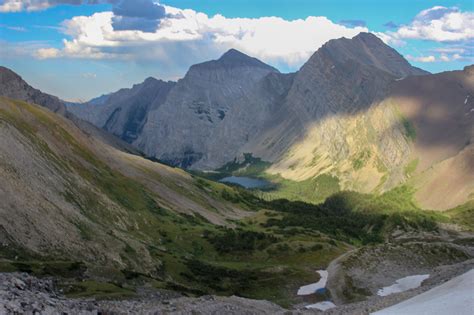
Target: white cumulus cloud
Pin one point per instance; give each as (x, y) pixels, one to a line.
(443, 57)
(430, 58)
(440, 24)
(45, 53)
(25, 5)
(188, 34)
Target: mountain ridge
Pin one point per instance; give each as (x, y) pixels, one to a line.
(338, 116)
(12, 85)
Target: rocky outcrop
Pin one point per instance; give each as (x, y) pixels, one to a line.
(24, 294)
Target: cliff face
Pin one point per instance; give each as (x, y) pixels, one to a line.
(183, 131)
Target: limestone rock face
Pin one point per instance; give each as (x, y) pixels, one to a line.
(185, 129)
(13, 86)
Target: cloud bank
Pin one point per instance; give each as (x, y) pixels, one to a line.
(187, 33)
(144, 30)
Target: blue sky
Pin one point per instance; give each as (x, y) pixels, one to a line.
(81, 51)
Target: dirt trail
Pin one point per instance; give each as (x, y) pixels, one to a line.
(336, 282)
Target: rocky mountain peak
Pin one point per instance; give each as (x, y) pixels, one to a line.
(151, 79)
(366, 49)
(233, 59)
(367, 37)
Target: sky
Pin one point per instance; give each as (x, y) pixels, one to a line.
(80, 49)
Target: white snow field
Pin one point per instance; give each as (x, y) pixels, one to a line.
(313, 287)
(322, 306)
(453, 297)
(403, 284)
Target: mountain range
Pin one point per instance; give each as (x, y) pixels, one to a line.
(348, 113)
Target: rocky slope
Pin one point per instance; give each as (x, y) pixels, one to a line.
(24, 294)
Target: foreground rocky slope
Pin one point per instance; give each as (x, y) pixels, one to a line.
(24, 294)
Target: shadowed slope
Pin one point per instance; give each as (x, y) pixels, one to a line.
(441, 109)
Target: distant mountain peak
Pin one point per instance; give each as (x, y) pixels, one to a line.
(234, 55)
(151, 79)
(367, 36)
(234, 59)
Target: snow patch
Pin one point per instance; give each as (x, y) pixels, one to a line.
(403, 284)
(313, 287)
(452, 297)
(322, 306)
(465, 101)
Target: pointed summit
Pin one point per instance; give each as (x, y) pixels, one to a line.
(233, 54)
(366, 49)
(234, 59)
(366, 36)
